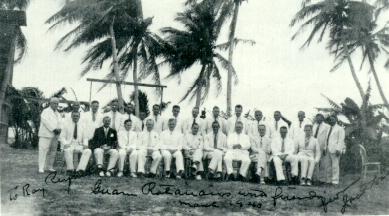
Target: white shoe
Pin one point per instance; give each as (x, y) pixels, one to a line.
(108, 173)
(51, 170)
(198, 177)
(262, 182)
(133, 175)
(309, 182)
(120, 174)
(178, 177)
(41, 171)
(101, 174)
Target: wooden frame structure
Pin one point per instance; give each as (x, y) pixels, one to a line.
(91, 80)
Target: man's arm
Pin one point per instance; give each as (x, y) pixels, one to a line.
(47, 121)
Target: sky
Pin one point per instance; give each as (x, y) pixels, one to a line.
(274, 74)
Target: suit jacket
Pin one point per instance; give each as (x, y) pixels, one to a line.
(50, 120)
(67, 138)
(99, 138)
(321, 134)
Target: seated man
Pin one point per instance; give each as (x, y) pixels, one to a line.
(105, 142)
(215, 144)
(282, 148)
(308, 154)
(148, 144)
(127, 146)
(171, 145)
(260, 150)
(193, 148)
(75, 141)
(238, 145)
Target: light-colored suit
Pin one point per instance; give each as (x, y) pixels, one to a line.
(187, 125)
(179, 124)
(231, 124)
(222, 124)
(260, 147)
(253, 130)
(158, 122)
(128, 142)
(275, 128)
(276, 150)
(117, 119)
(241, 154)
(72, 146)
(215, 154)
(171, 145)
(308, 154)
(48, 141)
(149, 144)
(193, 146)
(297, 128)
(92, 123)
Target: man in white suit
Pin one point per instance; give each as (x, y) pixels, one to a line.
(157, 120)
(74, 142)
(92, 120)
(333, 149)
(136, 122)
(171, 146)
(253, 130)
(127, 146)
(297, 128)
(193, 148)
(319, 132)
(187, 125)
(149, 143)
(49, 131)
(179, 121)
(260, 152)
(216, 117)
(238, 150)
(283, 149)
(237, 117)
(215, 146)
(277, 123)
(117, 118)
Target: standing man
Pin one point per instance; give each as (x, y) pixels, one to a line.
(171, 145)
(253, 130)
(260, 151)
(49, 131)
(320, 131)
(278, 122)
(237, 117)
(283, 148)
(194, 119)
(156, 117)
(74, 142)
(149, 145)
(92, 120)
(193, 148)
(142, 118)
(216, 117)
(116, 118)
(308, 154)
(179, 122)
(238, 145)
(333, 149)
(105, 142)
(136, 122)
(298, 126)
(128, 146)
(215, 146)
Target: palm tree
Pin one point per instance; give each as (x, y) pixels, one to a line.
(117, 30)
(334, 16)
(196, 43)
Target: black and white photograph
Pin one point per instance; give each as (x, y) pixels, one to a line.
(194, 107)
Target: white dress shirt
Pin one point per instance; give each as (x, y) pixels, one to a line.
(149, 140)
(275, 131)
(241, 139)
(117, 120)
(171, 140)
(276, 146)
(179, 124)
(158, 122)
(297, 128)
(221, 141)
(50, 120)
(67, 135)
(128, 139)
(260, 143)
(308, 148)
(253, 130)
(335, 139)
(187, 125)
(222, 124)
(91, 123)
(231, 124)
(193, 141)
(321, 133)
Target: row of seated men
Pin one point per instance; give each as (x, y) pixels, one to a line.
(53, 128)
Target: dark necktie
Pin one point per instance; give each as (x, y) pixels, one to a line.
(283, 146)
(143, 125)
(261, 142)
(306, 143)
(276, 125)
(75, 131)
(215, 141)
(328, 137)
(194, 121)
(105, 132)
(93, 116)
(300, 123)
(317, 130)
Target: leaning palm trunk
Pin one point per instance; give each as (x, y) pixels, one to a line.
(200, 87)
(377, 79)
(230, 55)
(116, 67)
(352, 69)
(135, 78)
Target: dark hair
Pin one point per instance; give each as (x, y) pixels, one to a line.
(127, 120)
(238, 106)
(94, 101)
(319, 114)
(277, 111)
(195, 123)
(216, 107)
(308, 125)
(156, 105)
(216, 122)
(176, 106)
(75, 112)
(283, 127)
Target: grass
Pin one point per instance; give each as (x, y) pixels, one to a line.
(19, 167)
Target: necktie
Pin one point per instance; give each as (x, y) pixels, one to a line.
(215, 141)
(149, 139)
(93, 116)
(306, 143)
(260, 142)
(283, 146)
(113, 120)
(300, 123)
(194, 121)
(317, 130)
(143, 125)
(128, 137)
(276, 125)
(75, 131)
(105, 132)
(328, 137)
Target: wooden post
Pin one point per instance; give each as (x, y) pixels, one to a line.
(90, 92)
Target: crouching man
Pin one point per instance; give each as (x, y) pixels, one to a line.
(308, 154)
(238, 145)
(127, 146)
(148, 144)
(104, 142)
(74, 142)
(171, 146)
(283, 148)
(193, 148)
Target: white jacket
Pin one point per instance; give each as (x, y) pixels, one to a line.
(321, 134)
(90, 125)
(66, 136)
(297, 130)
(336, 139)
(50, 120)
(128, 139)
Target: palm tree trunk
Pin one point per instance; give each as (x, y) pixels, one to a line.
(135, 78)
(116, 67)
(354, 75)
(230, 55)
(200, 87)
(377, 80)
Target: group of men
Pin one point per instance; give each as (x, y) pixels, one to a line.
(214, 141)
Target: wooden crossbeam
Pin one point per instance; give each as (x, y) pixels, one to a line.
(126, 83)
